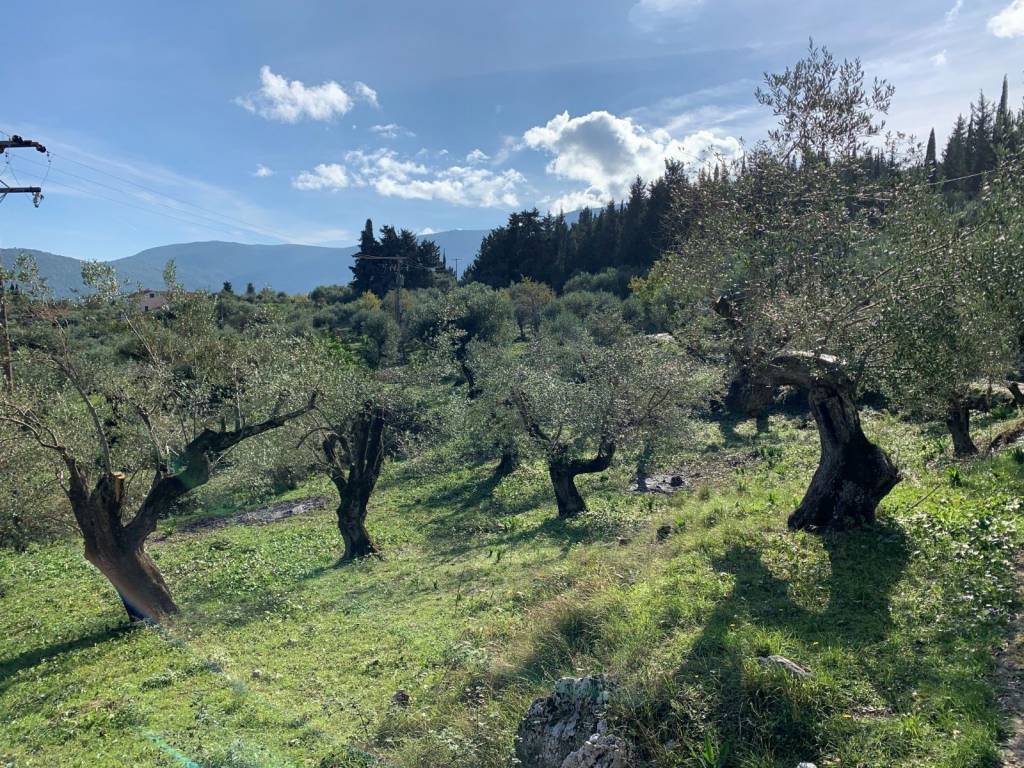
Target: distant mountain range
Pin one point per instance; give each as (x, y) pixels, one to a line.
(207, 265)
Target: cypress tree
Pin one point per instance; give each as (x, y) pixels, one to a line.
(1004, 119)
(930, 166)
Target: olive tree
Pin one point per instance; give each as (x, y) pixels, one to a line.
(361, 417)
(131, 438)
(962, 328)
(792, 264)
(578, 402)
(463, 315)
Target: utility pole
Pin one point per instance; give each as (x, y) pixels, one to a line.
(399, 262)
(14, 142)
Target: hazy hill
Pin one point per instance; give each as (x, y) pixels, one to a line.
(63, 274)
(289, 268)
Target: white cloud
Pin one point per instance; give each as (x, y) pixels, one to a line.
(330, 176)
(953, 12)
(939, 59)
(1009, 22)
(477, 156)
(393, 176)
(608, 152)
(648, 14)
(390, 130)
(292, 100)
(262, 172)
(366, 93)
(427, 231)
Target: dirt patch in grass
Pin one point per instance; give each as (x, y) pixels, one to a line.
(270, 513)
(709, 470)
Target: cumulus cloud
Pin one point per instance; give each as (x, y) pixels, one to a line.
(262, 172)
(648, 14)
(390, 175)
(607, 153)
(290, 101)
(477, 156)
(427, 231)
(390, 130)
(330, 176)
(939, 59)
(1009, 22)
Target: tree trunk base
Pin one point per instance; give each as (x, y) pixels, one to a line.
(567, 495)
(138, 582)
(509, 463)
(748, 395)
(358, 543)
(853, 474)
(958, 421)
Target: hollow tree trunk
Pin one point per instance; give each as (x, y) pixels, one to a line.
(958, 421)
(853, 474)
(567, 495)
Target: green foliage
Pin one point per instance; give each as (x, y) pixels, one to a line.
(281, 659)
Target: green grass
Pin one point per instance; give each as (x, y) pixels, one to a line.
(282, 658)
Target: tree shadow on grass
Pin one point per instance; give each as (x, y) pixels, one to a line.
(766, 709)
(9, 668)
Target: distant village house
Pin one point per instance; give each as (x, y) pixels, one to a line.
(151, 301)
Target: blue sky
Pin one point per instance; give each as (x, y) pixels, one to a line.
(268, 122)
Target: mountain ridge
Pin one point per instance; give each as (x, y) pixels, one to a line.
(208, 264)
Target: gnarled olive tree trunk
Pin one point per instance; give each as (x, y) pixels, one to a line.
(564, 470)
(117, 548)
(853, 474)
(749, 392)
(118, 554)
(355, 456)
(1016, 393)
(509, 461)
(958, 421)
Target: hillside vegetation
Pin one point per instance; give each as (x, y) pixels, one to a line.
(283, 658)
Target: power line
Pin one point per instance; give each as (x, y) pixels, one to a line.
(224, 221)
(62, 172)
(233, 220)
(144, 209)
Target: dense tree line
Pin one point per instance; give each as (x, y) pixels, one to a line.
(397, 255)
(627, 237)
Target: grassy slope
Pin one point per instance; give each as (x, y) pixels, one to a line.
(483, 598)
